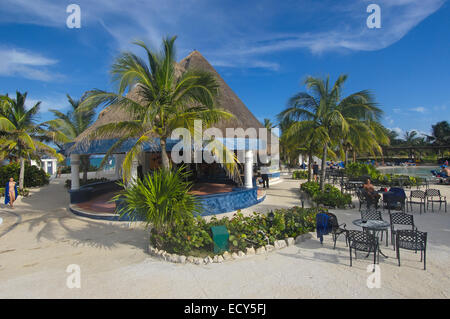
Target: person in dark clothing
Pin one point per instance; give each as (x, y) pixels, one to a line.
(140, 173)
(265, 176)
(315, 169)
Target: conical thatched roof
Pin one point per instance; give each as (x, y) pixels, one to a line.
(227, 100)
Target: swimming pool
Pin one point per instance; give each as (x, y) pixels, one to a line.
(417, 171)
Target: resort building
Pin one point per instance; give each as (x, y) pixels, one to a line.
(209, 179)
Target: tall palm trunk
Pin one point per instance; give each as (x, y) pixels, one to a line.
(346, 157)
(22, 173)
(324, 161)
(310, 158)
(164, 156)
(354, 156)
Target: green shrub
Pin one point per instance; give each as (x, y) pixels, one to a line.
(161, 199)
(300, 174)
(310, 188)
(331, 196)
(34, 176)
(183, 236)
(193, 235)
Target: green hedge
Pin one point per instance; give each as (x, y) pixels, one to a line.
(331, 196)
(34, 176)
(193, 236)
(300, 174)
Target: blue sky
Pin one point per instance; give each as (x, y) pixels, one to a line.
(263, 49)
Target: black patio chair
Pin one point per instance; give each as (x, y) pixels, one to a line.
(416, 197)
(346, 188)
(365, 198)
(395, 199)
(400, 219)
(373, 214)
(431, 195)
(363, 241)
(412, 240)
(336, 228)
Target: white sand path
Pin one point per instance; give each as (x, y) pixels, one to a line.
(40, 238)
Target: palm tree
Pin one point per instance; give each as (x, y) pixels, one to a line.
(440, 133)
(410, 137)
(364, 136)
(166, 101)
(20, 137)
(66, 127)
(324, 117)
(268, 124)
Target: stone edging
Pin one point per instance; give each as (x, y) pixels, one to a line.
(226, 256)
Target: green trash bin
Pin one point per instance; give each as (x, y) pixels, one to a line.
(220, 238)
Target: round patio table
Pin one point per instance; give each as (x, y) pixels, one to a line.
(374, 226)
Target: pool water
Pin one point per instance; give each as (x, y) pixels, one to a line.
(416, 171)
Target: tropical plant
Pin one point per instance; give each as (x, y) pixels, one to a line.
(21, 139)
(165, 101)
(66, 127)
(331, 196)
(325, 118)
(440, 133)
(33, 175)
(268, 124)
(161, 199)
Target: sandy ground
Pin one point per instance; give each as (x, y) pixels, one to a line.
(40, 238)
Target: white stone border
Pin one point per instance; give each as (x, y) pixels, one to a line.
(226, 256)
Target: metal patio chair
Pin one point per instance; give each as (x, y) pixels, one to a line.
(400, 219)
(336, 228)
(363, 241)
(412, 240)
(431, 195)
(416, 197)
(373, 214)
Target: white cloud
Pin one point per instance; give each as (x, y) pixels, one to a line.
(240, 34)
(56, 102)
(419, 109)
(30, 65)
(398, 130)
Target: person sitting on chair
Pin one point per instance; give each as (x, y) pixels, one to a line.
(372, 195)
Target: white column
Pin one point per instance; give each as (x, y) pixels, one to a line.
(134, 166)
(118, 160)
(75, 171)
(248, 169)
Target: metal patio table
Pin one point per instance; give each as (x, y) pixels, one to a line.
(374, 226)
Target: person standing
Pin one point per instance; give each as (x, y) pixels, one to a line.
(11, 192)
(315, 171)
(265, 176)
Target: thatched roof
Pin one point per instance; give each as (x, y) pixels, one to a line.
(227, 100)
